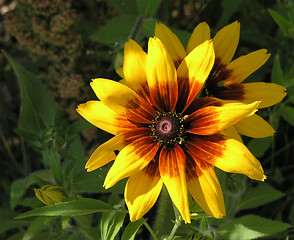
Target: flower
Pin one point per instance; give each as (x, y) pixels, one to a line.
(164, 134)
(226, 77)
(50, 194)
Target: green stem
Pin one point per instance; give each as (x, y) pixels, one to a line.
(174, 230)
(150, 230)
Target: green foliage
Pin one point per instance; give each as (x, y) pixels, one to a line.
(251, 227)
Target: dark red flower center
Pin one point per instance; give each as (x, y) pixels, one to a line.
(168, 128)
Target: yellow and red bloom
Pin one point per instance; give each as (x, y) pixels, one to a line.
(226, 78)
(164, 133)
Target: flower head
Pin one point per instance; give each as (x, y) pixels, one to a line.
(165, 134)
(226, 78)
(50, 194)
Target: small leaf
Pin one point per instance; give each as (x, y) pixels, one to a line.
(55, 168)
(258, 146)
(132, 229)
(78, 126)
(148, 7)
(116, 224)
(259, 196)
(71, 208)
(116, 31)
(18, 189)
(250, 227)
(277, 72)
(36, 227)
(282, 22)
(287, 113)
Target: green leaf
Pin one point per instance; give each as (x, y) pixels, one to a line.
(251, 227)
(116, 224)
(36, 227)
(259, 196)
(282, 22)
(287, 113)
(117, 31)
(78, 126)
(148, 26)
(258, 146)
(37, 110)
(125, 6)
(229, 7)
(148, 7)
(277, 72)
(131, 229)
(72, 208)
(18, 189)
(55, 168)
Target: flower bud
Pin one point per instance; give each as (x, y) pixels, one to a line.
(50, 194)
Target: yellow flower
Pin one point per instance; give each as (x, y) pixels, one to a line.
(50, 194)
(226, 77)
(165, 134)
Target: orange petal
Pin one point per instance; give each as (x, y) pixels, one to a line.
(172, 167)
(161, 76)
(211, 120)
(193, 72)
(142, 191)
(205, 188)
(229, 155)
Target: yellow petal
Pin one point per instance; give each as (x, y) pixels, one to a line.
(131, 159)
(172, 169)
(226, 41)
(268, 93)
(243, 66)
(104, 153)
(231, 132)
(134, 65)
(255, 127)
(173, 45)
(229, 155)
(200, 34)
(100, 115)
(238, 159)
(211, 120)
(194, 70)
(206, 190)
(161, 76)
(141, 193)
(123, 100)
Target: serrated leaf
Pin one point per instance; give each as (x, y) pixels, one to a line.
(251, 227)
(148, 7)
(37, 110)
(71, 208)
(131, 229)
(117, 31)
(259, 196)
(287, 113)
(258, 146)
(282, 22)
(36, 227)
(277, 72)
(18, 188)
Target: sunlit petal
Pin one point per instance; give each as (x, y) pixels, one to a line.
(161, 76)
(104, 153)
(205, 188)
(142, 191)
